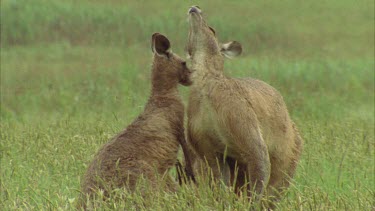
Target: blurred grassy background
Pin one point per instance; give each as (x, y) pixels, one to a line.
(48, 41)
(290, 28)
(74, 73)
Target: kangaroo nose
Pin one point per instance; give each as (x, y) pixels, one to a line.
(194, 9)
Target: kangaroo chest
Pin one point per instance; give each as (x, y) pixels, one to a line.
(203, 126)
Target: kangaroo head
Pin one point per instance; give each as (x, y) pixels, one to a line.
(203, 46)
(168, 68)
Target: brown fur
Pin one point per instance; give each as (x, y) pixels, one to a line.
(148, 146)
(245, 120)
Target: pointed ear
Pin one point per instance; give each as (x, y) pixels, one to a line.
(231, 49)
(160, 44)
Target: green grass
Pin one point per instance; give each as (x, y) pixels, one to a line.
(74, 74)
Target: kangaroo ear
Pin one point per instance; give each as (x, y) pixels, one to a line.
(231, 49)
(160, 44)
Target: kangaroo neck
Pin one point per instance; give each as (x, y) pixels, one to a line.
(159, 100)
(203, 75)
(171, 92)
(207, 67)
(162, 82)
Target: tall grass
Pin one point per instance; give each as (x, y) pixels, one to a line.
(74, 73)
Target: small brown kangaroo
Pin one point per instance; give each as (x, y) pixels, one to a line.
(148, 146)
(240, 127)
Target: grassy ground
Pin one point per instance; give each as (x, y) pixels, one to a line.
(74, 74)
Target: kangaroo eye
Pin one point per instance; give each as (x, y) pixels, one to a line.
(212, 30)
(183, 63)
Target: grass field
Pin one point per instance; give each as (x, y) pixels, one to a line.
(73, 74)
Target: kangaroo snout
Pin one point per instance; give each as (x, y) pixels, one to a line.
(194, 9)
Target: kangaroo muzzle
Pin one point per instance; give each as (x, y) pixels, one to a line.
(194, 9)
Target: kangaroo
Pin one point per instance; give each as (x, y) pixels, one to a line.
(148, 146)
(240, 127)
